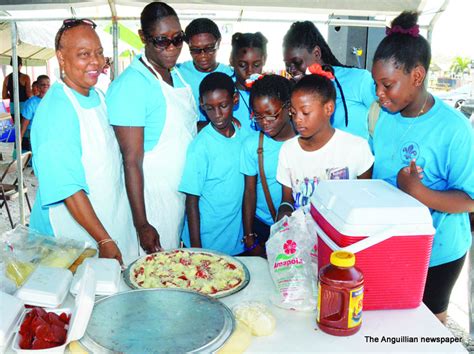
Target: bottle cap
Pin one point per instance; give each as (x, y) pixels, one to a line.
(342, 259)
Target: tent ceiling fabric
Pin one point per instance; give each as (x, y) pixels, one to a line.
(32, 16)
(32, 54)
(337, 7)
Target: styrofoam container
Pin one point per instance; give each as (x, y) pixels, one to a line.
(107, 273)
(46, 287)
(390, 232)
(11, 309)
(81, 314)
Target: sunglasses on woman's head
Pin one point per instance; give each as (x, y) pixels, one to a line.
(164, 42)
(70, 23)
(73, 22)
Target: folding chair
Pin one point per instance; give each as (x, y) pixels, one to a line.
(9, 191)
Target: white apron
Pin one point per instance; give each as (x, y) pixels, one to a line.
(102, 162)
(163, 165)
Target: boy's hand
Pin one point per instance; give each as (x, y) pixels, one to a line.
(409, 178)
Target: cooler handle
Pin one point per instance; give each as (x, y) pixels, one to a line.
(358, 246)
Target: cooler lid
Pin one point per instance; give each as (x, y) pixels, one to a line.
(83, 306)
(369, 202)
(46, 287)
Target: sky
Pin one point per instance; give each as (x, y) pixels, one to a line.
(453, 34)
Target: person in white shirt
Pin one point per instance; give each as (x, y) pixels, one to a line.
(319, 152)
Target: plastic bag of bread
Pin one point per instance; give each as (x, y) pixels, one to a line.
(257, 317)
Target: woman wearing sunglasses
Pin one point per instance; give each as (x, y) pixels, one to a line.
(203, 38)
(77, 159)
(154, 115)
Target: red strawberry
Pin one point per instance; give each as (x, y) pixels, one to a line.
(40, 312)
(59, 334)
(26, 324)
(41, 344)
(54, 319)
(26, 339)
(64, 318)
(36, 322)
(45, 333)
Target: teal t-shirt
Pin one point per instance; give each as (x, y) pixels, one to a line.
(249, 167)
(359, 93)
(193, 78)
(135, 99)
(29, 109)
(442, 142)
(57, 152)
(212, 173)
(243, 112)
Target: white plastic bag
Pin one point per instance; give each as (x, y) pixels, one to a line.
(289, 259)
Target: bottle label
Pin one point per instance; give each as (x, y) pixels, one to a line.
(318, 308)
(355, 307)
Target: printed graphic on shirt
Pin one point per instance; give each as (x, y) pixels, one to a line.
(409, 151)
(304, 189)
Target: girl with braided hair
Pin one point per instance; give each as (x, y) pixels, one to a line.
(303, 45)
(248, 56)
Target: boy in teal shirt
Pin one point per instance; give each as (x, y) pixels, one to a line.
(211, 179)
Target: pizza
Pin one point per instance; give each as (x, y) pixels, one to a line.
(203, 272)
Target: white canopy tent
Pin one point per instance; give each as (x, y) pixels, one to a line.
(31, 37)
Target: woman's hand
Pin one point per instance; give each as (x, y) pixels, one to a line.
(110, 250)
(149, 238)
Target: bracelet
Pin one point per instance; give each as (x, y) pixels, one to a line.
(252, 234)
(287, 204)
(103, 242)
(247, 249)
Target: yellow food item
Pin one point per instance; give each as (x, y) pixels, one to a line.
(238, 342)
(62, 258)
(76, 348)
(19, 271)
(257, 317)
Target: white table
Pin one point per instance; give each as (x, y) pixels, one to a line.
(298, 331)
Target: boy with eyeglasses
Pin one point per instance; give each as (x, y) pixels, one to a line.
(203, 38)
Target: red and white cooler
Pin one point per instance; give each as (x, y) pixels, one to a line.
(390, 232)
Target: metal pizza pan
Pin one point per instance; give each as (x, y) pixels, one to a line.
(243, 284)
(158, 321)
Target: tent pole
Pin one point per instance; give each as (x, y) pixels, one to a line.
(16, 107)
(115, 34)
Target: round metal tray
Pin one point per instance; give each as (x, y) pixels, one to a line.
(243, 284)
(158, 321)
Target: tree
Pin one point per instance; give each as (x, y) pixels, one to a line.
(460, 65)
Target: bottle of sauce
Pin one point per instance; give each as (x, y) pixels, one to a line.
(341, 291)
